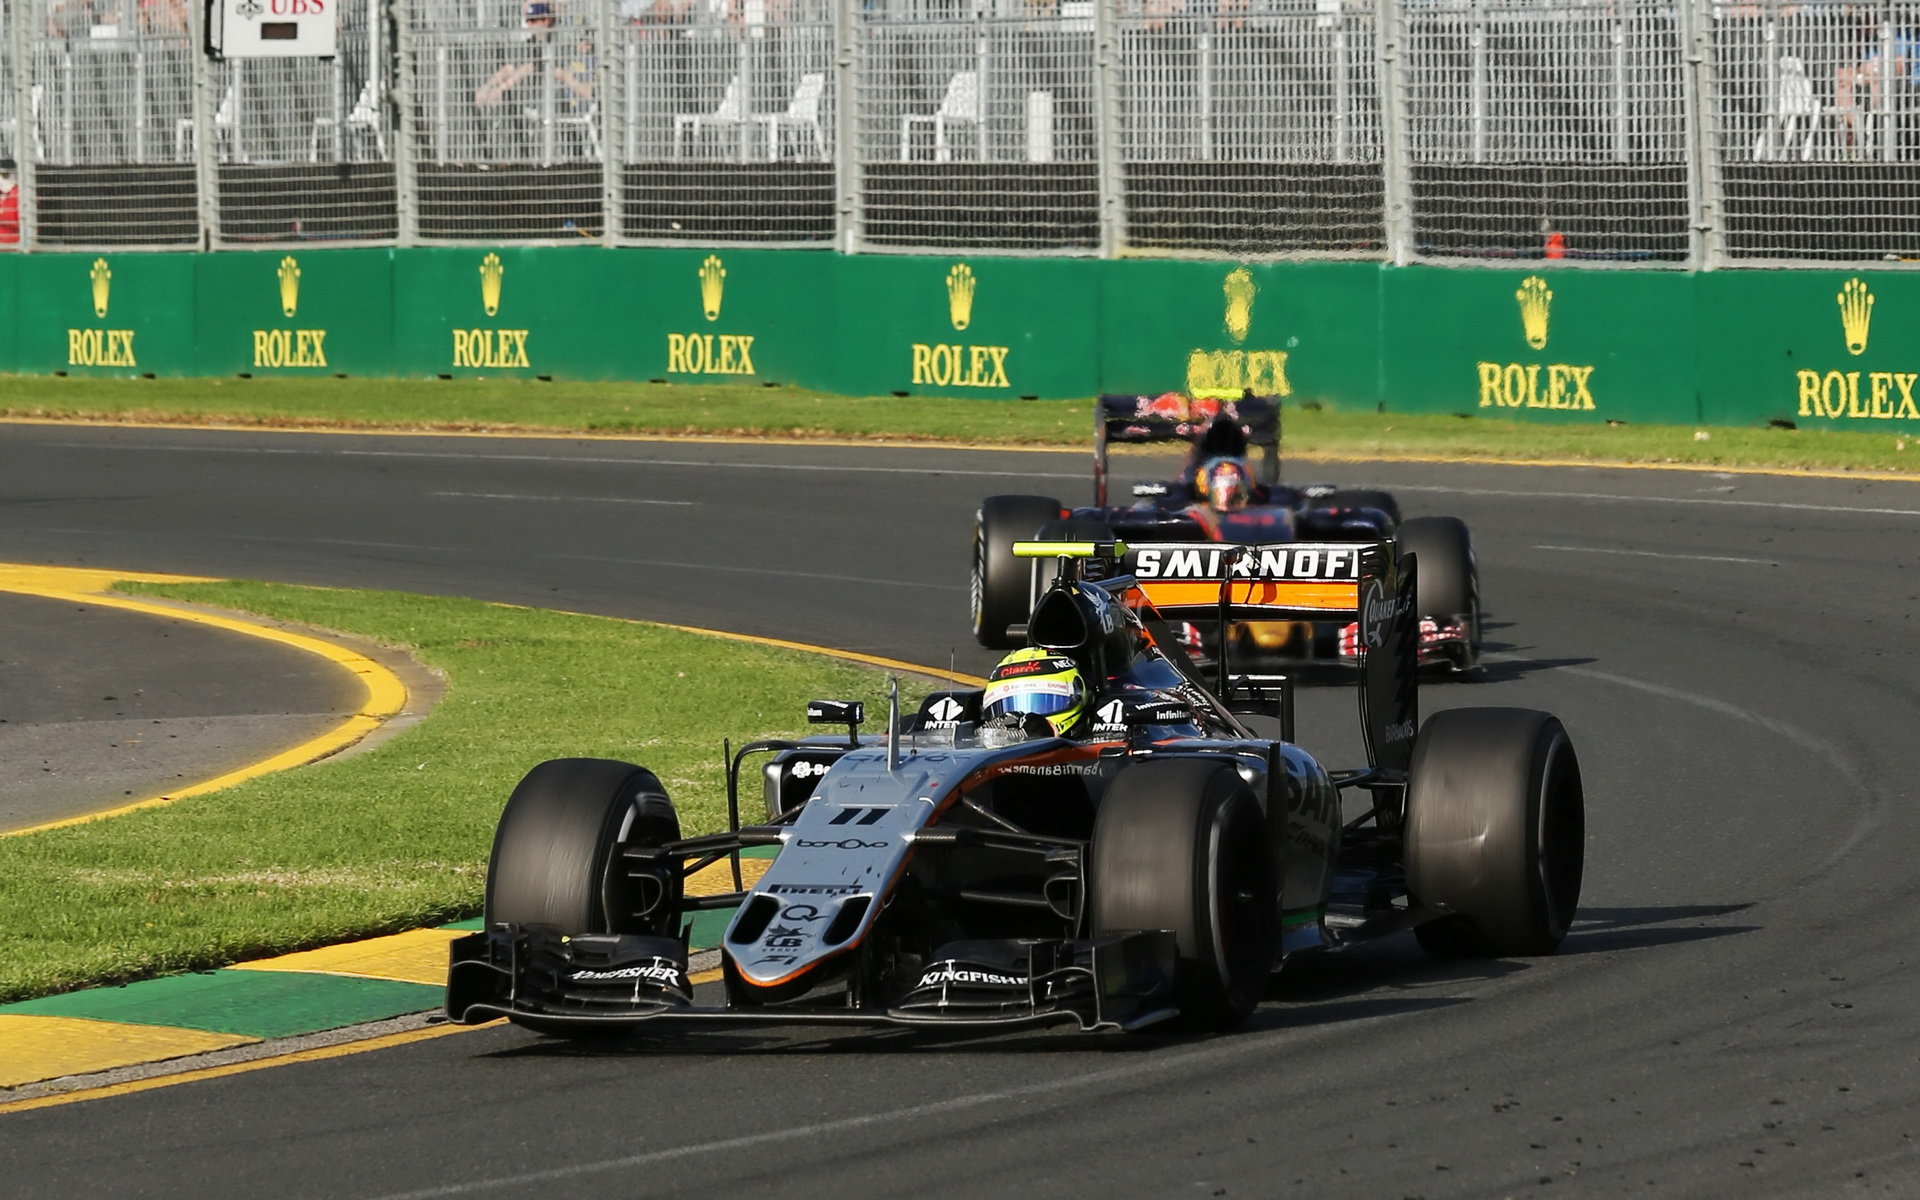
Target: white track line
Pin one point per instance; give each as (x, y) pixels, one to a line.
(1614, 498)
(564, 499)
(1726, 558)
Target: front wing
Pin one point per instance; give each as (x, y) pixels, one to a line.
(1119, 981)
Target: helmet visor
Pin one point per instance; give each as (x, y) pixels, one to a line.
(1042, 697)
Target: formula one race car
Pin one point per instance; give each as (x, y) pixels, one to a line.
(1101, 837)
(1224, 495)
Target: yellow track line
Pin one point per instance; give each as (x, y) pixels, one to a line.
(297, 1056)
(386, 695)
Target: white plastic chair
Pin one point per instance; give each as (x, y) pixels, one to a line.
(960, 106)
(731, 114)
(364, 118)
(802, 118)
(223, 127)
(1796, 103)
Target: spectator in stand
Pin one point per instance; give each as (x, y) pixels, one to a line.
(1867, 92)
(516, 105)
(9, 206)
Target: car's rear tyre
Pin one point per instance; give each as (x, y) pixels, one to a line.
(1181, 845)
(554, 853)
(1364, 498)
(1000, 584)
(1495, 831)
(1447, 586)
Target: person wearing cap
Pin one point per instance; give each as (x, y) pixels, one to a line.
(9, 205)
(573, 86)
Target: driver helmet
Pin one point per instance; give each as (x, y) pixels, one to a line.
(1039, 683)
(1226, 483)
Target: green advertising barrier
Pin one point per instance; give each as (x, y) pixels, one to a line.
(737, 316)
(9, 312)
(1304, 330)
(105, 314)
(1535, 342)
(1540, 343)
(1817, 348)
(979, 326)
(320, 312)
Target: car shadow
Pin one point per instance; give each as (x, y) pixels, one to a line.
(1607, 930)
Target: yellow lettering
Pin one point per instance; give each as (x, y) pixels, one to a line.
(1489, 383)
(1879, 388)
(922, 362)
(1809, 393)
(1853, 395)
(262, 341)
(1582, 397)
(1833, 394)
(1513, 380)
(999, 378)
(1906, 408)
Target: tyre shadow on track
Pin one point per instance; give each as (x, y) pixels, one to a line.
(1604, 930)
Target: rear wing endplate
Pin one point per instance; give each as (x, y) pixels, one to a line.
(1173, 417)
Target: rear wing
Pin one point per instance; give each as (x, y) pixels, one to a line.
(1367, 583)
(1173, 417)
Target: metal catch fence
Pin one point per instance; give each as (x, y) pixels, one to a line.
(1685, 133)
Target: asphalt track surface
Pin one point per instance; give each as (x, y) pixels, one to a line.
(1734, 1014)
(100, 706)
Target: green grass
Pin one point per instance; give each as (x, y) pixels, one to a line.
(613, 408)
(396, 837)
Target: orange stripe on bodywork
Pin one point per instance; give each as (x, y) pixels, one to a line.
(1291, 595)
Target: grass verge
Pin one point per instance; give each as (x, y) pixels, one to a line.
(396, 837)
(749, 410)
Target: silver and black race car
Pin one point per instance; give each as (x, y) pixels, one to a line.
(1003, 588)
(1156, 864)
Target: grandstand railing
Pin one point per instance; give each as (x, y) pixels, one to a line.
(1677, 133)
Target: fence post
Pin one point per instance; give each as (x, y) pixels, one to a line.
(26, 129)
(610, 110)
(1396, 151)
(1706, 198)
(206, 133)
(849, 234)
(1106, 127)
(406, 124)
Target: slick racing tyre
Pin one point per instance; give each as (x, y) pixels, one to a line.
(1181, 845)
(556, 847)
(1001, 583)
(1495, 831)
(1447, 584)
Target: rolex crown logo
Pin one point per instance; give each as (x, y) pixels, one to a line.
(713, 286)
(289, 286)
(1856, 313)
(102, 278)
(1536, 299)
(960, 284)
(1239, 288)
(491, 269)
